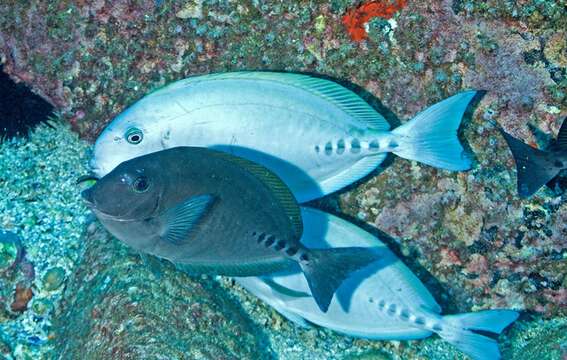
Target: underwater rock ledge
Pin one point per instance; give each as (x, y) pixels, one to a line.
(117, 307)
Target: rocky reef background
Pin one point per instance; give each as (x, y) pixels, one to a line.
(468, 236)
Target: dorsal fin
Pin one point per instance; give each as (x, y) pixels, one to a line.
(331, 91)
(561, 141)
(280, 190)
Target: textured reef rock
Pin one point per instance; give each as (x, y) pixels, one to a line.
(116, 307)
(468, 236)
(39, 203)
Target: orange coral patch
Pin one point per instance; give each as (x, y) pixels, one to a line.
(355, 19)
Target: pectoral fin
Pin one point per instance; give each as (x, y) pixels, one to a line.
(180, 221)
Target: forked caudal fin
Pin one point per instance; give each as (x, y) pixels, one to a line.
(463, 332)
(431, 136)
(327, 268)
(535, 167)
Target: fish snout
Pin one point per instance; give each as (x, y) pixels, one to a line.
(88, 196)
(95, 168)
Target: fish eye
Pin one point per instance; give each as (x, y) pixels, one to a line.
(134, 136)
(141, 184)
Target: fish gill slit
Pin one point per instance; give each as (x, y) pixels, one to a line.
(392, 309)
(328, 148)
(404, 314)
(291, 251)
(420, 320)
(340, 147)
(280, 245)
(355, 146)
(270, 240)
(374, 145)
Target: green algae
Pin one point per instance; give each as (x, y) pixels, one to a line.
(538, 339)
(8, 255)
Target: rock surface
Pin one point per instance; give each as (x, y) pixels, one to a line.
(117, 306)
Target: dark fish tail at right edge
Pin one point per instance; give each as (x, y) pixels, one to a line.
(326, 269)
(535, 167)
(561, 141)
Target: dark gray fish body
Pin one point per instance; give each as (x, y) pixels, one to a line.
(215, 213)
(536, 167)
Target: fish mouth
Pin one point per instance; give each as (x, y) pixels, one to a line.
(88, 197)
(102, 215)
(87, 194)
(105, 216)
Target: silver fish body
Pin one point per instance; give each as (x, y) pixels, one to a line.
(313, 133)
(214, 213)
(385, 301)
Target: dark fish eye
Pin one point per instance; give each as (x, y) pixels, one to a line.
(141, 184)
(134, 136)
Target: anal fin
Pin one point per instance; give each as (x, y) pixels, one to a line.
(356, 172)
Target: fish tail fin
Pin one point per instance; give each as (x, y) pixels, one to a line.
(475, 333)
(328, 268)
(535, 167)
(431, 136)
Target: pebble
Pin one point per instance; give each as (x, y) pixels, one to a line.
(53, 278)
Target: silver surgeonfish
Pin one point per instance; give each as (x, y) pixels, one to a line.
(384, 301)
(315, 134)
(211, 212)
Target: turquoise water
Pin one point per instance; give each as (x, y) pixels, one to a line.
(69, 290)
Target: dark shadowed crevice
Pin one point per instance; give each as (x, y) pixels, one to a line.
(20, 109)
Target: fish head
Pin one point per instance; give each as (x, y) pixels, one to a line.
(131, 191)
(133, 133)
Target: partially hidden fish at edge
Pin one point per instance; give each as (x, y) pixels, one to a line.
(215, 213)
(536, 167)
(315, 134)
(384, 301)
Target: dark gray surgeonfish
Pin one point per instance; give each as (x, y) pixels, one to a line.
(537, 167)
(215, 213)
